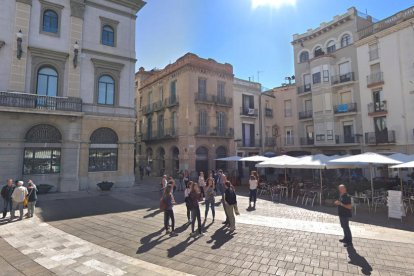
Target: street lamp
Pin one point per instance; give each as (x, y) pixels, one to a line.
(75, 51)
(19, 44)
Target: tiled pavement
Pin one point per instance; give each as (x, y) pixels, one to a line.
(270, 242)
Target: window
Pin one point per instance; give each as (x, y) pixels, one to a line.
(108, 36)
(289, 136)
(307, 82)
(47, 82)
(160, 125)
(220, 90)
(173, 91)
(248, 105)
(344, 68)
(103, 151)
(221, 123)
(316, 77)
(373, 51)
(149, 127)
(50, 21)
(325, 75)
(174, 123)
(378, 101)
(202, 122)
(330, 47)
(288, 108)
(202, 87)
(106, 90)
(161, 94)
(304, 56)
(248, 135)
(318, 52)
(345, 40)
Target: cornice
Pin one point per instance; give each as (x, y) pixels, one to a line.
(99, 63)
(110, 9)
(135, 5)
(103, 54)
(27, 2)
(51, 4)
(61, 56)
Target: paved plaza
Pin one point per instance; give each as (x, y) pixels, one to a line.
(120, 233)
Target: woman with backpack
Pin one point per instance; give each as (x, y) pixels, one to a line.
(230, 204)
(167, 202)
(210, 200)
(195, 197)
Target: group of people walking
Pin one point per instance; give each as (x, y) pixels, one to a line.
(195, 193)
(16, 196)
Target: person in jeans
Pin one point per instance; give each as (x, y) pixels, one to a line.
(209, 200)
(168, 212)
(221, 188)
(32, 198)
(6, 193)
(252, 191)
(187, 199)
(202, 183)
(18, 196)
(181, 181)
(195, 197)
(344, 212)
(230, 205)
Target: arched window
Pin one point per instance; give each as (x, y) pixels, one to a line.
(40, 159)
(345, 40)
(330, 47)
(106, 90)
(304, 56)
(318, 52)
(103, 150)
(47, 82)
(108, 36)
(50, 21)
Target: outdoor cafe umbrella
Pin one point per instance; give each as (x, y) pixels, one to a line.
(255, 158)
(367, 159)
(404, 165)
(277, 162)
(229, 158)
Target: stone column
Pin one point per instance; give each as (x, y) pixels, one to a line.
(18, 66)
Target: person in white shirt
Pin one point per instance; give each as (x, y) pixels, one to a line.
(253, 191)
(202, 184)
(18, 196)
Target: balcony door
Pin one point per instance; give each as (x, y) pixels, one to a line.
(248, 104)
(378, 100)
(173, 92)
(248, 135)
(221, 123)
(308, 106)
(307, 82)
(202, 88)
(344, 70)
(309, 135)
(348, 130)
(381, 130)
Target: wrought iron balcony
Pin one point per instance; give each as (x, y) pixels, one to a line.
(375, 79)
(204, 98)
(147, 109)
(377, 108)
(348, 139)
(342, 78)
(307, 141)
(157, 106)
(250, 112)
(160, 134)
(304, 89)
(34, 101)
(171, 101)
(345, 108)
(223, 101)
(381, 137)
(249, 143)
(214, 132)
(269, 112)
(307, 114)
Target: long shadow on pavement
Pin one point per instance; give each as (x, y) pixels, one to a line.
(358, 260)
(220, 237)
(148, 243)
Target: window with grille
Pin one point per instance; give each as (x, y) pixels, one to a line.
(103, 151)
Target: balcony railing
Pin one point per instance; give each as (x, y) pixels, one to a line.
(381, 137)
(147, 109)
(307, 141)
(214, 132)
(342, 78)
(269, 112)
(307, 114)
(377, 107)
(348, 139)
(270, 141)
(171, 101)
(251, 112)
(375, 79)
(161, 134)
(223, 101)
(34, 101)
(345, 108)
(210, 99)
(249, 143)
(304, 89)
(157, 106)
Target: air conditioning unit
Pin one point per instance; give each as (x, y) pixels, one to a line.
(250, 111)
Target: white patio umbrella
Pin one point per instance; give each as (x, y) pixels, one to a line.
(367, 159)
(229, 158)
(277, 162)
(404, 165)
(255, 158)
(402, 158)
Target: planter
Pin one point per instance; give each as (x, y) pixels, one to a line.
(105, 185)
(43, 188)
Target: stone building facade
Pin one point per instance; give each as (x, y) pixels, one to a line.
(66, 92)
(185, 116)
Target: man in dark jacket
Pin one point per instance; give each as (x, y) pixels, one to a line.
(6, 193)
(345, 212)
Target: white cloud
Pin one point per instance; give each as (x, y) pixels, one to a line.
(272, 3)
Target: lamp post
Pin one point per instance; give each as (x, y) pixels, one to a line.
(19, 44)
(76, 52)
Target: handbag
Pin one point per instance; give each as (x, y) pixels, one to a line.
(26, 199)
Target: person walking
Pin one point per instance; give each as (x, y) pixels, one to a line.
(221, 188)
(202, 183)
(345, 213)
(32, 198)
(252, 191)
(6, 193)
(180, 180)
(230, 205)
(187, 199)
(195, 197)
(18, 196)
(210, 200)
(168, 199)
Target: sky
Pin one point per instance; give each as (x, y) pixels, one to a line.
(252, 35)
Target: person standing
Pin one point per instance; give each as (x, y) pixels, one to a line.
(180, 180)
(6, 193)
(168, 212)
(221, 189)
(210, 200)
(148, 170)
(202, 184)
(345, 213)
(230, 205)
(18, 196)
(195, 197)
(141, 171)
(252, 191)
(188, 200)
(32, 198)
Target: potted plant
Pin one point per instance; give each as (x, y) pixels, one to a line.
(105, 185)
(43, 188)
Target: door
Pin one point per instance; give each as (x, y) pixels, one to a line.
(248, 104)
(221, 123)
(348, 130)
(378, 100)
(381, 130)
(307, 82)
(309, 135)
(173, 92)
(248, 135)
(202, 122)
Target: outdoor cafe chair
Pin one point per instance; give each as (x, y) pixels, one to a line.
(301, 193)
(276, 192)
(311, 196)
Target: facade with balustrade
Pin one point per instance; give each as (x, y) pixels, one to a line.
(185, 115)
(67, 116)
(326, 71)
(386, 82)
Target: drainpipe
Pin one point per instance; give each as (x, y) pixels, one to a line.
(261, 122)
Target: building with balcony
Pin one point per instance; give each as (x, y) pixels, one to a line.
(327, 80)
(66, 92)
(185, 115)
(386, 83)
